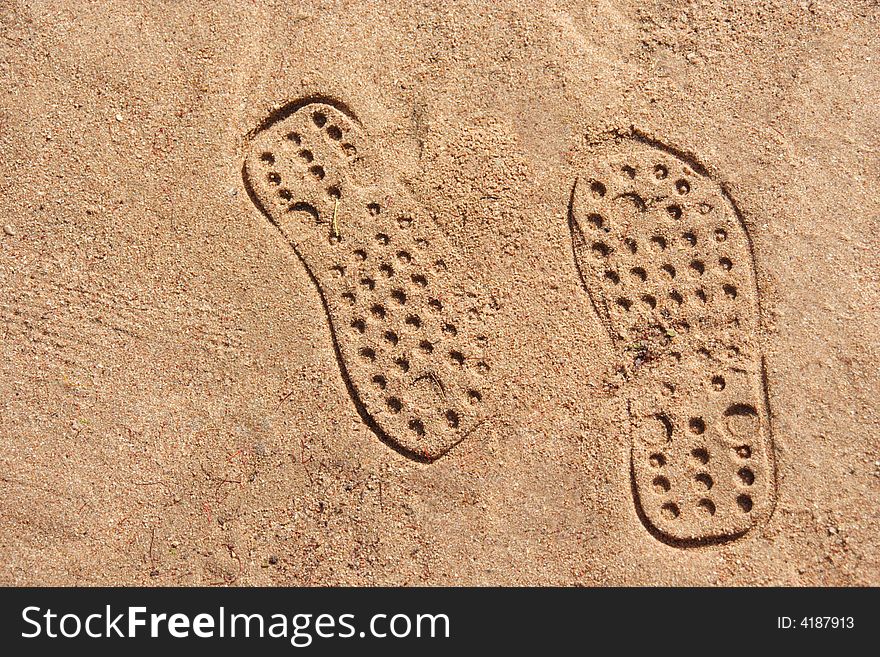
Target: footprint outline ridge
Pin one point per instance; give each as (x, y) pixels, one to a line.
(408, 346)
(666, 259)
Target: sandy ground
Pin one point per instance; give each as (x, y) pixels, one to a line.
(172, 407)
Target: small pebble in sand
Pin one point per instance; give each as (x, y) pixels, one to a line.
(119, 117)
(9, 229)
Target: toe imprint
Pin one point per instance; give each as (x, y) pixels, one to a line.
(668, 266)
(396, 311)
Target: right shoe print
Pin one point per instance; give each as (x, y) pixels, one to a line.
(668, 265)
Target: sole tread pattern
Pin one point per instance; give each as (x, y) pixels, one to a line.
(668, 265)
(407, 350)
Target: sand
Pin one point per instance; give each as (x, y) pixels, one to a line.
(181, 400)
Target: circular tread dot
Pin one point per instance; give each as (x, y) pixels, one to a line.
(661, 484)
(704, 480)
(701, 455)
(658, 242)
(746, 476)
(707, 506)
(597, 222)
